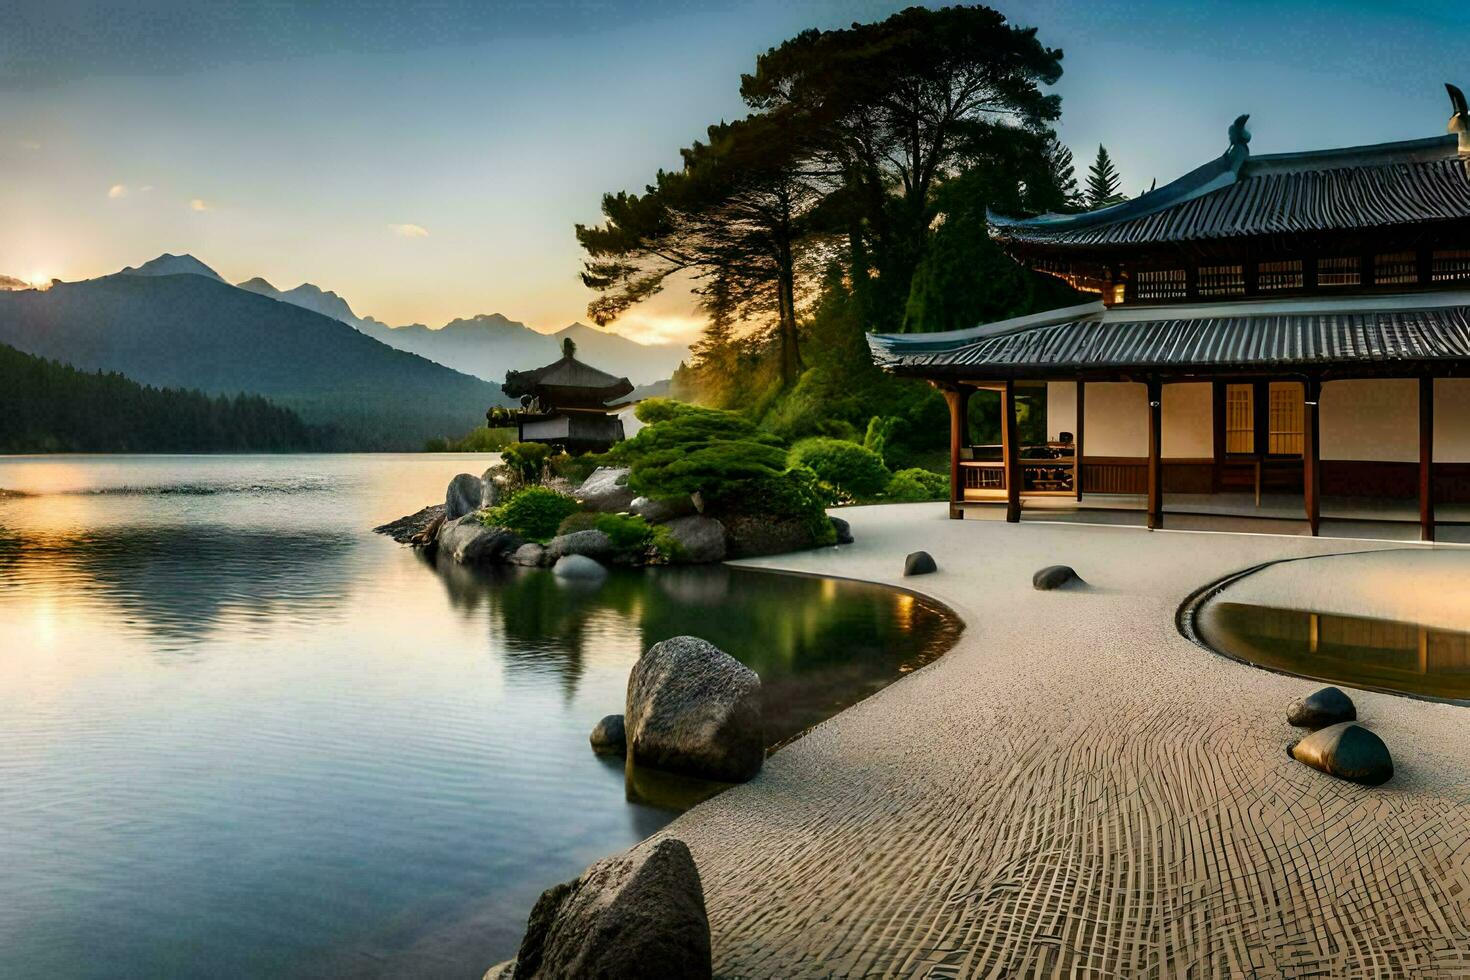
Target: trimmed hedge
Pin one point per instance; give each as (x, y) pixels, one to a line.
(914, 485)
(534, 513)
(849, 468)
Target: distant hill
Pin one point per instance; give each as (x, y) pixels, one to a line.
(195, 331)
(46, 406)
(10, 282)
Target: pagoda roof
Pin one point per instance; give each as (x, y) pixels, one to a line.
(566, 380)
(1369, 335)
(1239, 195)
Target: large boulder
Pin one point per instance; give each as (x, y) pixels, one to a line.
(919, 563)
(1329, 706)
(631, 916)
(609, 736)
(750, 536)
(529, 554)
(700, 539)
(466, 494)
(1056, 577)
(578, 568)
(468, 541)
(693, 708)
(592, 543)
(1346, 750)
(659, 511)
(606, 490)
(842, 529)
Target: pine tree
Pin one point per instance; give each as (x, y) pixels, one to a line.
(1063, 172)
(1103, 181)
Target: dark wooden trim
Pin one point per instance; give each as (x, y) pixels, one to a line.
(1081, 433)
(1426, 459)
(1155, 453)
(958, 399)
(1261, 417)
(1312, 455)
(1011, 450)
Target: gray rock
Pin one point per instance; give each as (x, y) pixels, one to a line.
(750, 536)
(466, 494)
(609, 737)
(1056, 577)
(606, 490)
(1348, 751)
(1328, 706)
(693, 708)
(592, 543)
(659, 511)
(404, 529)
(578, 567)
(919, 563)
(843, 529)
(468, 541)
(631, 916)
(529, 554)
(700, 539)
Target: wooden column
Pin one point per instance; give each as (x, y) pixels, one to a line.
(1312, 455)
(1081, 427)
(1217, 429)
(1011, 441)
(1155, 452)
(958, 399)
(1426, 459)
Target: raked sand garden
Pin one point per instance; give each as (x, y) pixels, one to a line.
(1078, 790)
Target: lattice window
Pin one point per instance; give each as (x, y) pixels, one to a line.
(1395, 268)
(1221, 280)
(1285, 434)
(1272, 276)
(1240, 419)
(1340, 271)
(1161, 284)
(1450, 266)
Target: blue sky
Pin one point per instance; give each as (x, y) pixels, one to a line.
(429, 161)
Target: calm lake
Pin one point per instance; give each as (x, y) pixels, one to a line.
(240, 734)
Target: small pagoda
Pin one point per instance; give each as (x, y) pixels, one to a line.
(568, 404)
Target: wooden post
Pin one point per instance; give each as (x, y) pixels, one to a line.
(1081, 427)
(1012, 452)
(1155, 451)
(1311, 454)
(1217, 425)
(958, 399)
(1426, 459)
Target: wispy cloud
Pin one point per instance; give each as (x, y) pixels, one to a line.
(117, 190)
(409, 231)
(198, 204)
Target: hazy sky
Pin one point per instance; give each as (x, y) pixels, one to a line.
(429, 161)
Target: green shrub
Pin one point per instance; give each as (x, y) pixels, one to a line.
(795, 494)
(913, 485)
(846, 466)
(574, 469)
(582, 520)
(876, 438)
(697, 450)
(627, 532)
(651, 411)
(526, 459)
(533, 512)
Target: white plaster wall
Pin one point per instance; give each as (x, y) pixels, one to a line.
(1376, 420)
(1452, 420)
(1061, 408)
(1117, 419)
(1188, 416)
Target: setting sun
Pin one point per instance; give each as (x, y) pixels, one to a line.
(39, 280)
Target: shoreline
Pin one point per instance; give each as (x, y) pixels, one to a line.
(1075, 785)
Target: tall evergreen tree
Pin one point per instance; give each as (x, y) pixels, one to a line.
(1063, 173)
(1103, 182)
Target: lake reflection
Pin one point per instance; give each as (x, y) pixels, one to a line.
(240, 734)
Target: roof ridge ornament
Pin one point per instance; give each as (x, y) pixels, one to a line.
(1460, 121)
(1239, 135)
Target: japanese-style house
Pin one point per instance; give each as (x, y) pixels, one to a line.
(1298, 322)
(568, 404)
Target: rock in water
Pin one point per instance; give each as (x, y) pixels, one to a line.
(606, 490)
(592, 543)
(465, 495)
(700, 539)
(1348, 751)
(1056, 577)
(1328, 706)
(578, 567)
(609, 738)
(919, 563)
(405, 529)
(529, 554)
(843, 529)
(468, 541)
(693, 708)
(631, 916)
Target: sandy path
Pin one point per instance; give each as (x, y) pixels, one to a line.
(1077, 790)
